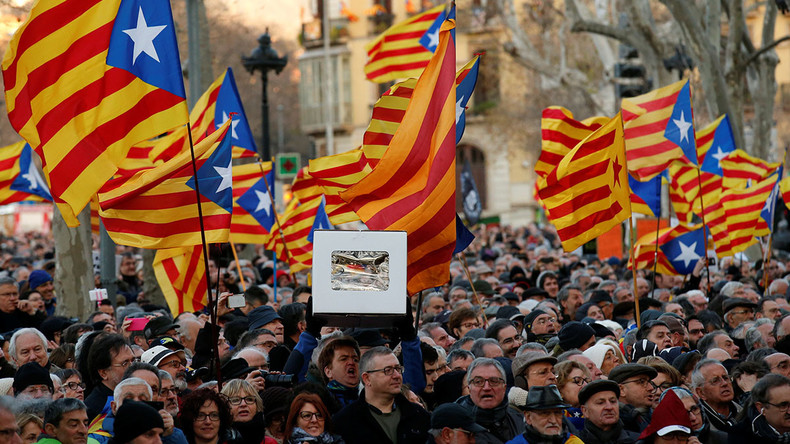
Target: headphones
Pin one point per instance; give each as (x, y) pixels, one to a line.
(521, 382)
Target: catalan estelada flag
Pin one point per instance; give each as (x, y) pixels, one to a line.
(717, 140)
(20, 179)
(739, 169)
(588, 193)
(742, 209)
(646, 196)
(334, 174)
(647, 119)
(84, 81)
(559, 134)
(181, 274)
(298, 225)
(684, 246)
(253, 209)
(647, 251)
(412, 188)
(397, 53)
(157, 209)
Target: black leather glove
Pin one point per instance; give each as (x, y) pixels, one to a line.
(314, 324)
(405, 325)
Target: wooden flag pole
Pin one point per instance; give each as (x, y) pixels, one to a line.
(474, 291)
(212, 302)
(238, 266)
(704, 225)
(633, 270)
(655, 253)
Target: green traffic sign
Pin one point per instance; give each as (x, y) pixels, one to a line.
(288, 164)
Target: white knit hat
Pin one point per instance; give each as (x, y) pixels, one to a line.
(597, 353)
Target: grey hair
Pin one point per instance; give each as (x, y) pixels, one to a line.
(24, 331)
(252, 349)
(9, 281)
(183, 329)
(366, 361)
(208, 385)
(116, 394)
(164, 375)
(530, 346)
(709, 341)
(607, 283)
(729, 288)
(55, 411)
(484, 362)
(567, 355)
(425, 330)
(752, 338)
(427, 301)
(459, 354)
(565, 291)
(775, 284)
(697, 379)
(18, 271)
(478, 347)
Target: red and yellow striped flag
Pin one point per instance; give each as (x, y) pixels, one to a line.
(646, 251)
(738, 168)
(337, 173)
(157, 209)
(79, 113)
(297, 223)
(244, 228)
(646, 117)
(181, 274)
(397, 52)
(9, 171)
(705, 138)
(560, 133)
(742, 209)
(412, 188)
(588, 193)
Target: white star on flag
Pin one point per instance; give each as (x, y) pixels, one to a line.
(770, 199)
(143, 37)
(433, 38)
(233, 124)
(226, 173)
(719, 155)
(687, 253)
(264, 202)
(459, 109)
(683, 126)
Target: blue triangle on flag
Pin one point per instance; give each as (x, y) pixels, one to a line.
(462, 94)
(463, 237)
(430, 40)
(767, 213)
(29, 179)
(228, 103)
(257, 201)
(649, 191)
(321, 221)
(216, 175)
(723, 144)
(143, 42)
(680, 127)
(685, 250)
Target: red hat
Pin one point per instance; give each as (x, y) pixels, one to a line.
(670, 416)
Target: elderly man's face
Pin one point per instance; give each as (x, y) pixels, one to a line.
(779, 363)
(770, 310)
(486, 387)
(776, 408)
(30, 348)
(717, 387)
(546, 422)
(9, 296)
(725, 343)
(602, 410)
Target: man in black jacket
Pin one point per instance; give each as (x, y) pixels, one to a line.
(381, 414)
(602, 424)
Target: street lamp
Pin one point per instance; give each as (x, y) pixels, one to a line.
(264, 59)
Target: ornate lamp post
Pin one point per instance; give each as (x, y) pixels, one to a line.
(264, 59)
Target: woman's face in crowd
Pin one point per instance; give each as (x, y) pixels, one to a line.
(205, 427)
(570, 390)
(310, 420)
(242, 407)
(78, 392)
(30, 432)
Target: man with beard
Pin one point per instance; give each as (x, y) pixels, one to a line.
(171, 361)
(637, 392)
(168, 393)
(108, 358)
(601, 410)
(543, 413)
(540, 326)
(487, 400)
(712, 384)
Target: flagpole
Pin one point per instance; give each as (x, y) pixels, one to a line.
(655, 252)
(474, 291)
(212, 311)
(704, 225)
(238, 266)
(633, 270)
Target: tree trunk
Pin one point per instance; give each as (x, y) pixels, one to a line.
(74, 273)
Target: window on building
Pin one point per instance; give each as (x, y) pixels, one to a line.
(312, 90)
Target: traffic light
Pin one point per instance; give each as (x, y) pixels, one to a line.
(630, 75)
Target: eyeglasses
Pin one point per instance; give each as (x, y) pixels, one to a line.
(783, 406)
(465, 432)
(267, 344)
(73, 386)
(470, 325)
(719, 381)
(643, 382)
(682, 438)
(666, 386)
(8, 295)
(166, 391)
(249, 400)
(479, 381)
(545, 321)
(175, 364)
(388, 371)
(580, 380)
(694, 410)
(123, 364)
(307, 416)
(213, 417)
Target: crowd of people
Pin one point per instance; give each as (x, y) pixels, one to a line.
(524, 344)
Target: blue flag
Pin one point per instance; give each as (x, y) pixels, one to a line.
(680, 128)
(767, 213)
(258, 202)
(462, 93)
(463, 237)
(143, 42)
(228, 102)
(321, 221)
(649, 191)
(723, 144)
(216, 176)
(684, 251)
(469, 195)
(430, 40)
(29, 179)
